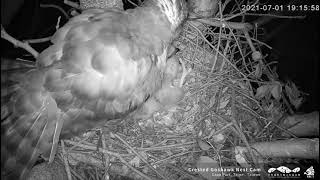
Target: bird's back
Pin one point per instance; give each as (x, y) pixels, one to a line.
(103, 65)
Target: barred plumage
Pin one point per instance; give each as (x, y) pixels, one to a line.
(103, 65)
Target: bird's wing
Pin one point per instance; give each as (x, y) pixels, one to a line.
(95, 70)
(103, 64)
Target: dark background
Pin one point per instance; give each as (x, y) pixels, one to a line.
(295, 41)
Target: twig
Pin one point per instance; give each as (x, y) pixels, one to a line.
(175, 156)
(240, 49)
(58, 23)
(213, 132)
(76, 174)
(225, 51)
(65, 160)
(238, 129)
(219, 40)
(56, 7)
(40, 40)
(137, 154)
(166, 147)
(72, 4)
(104, 155)
(110, 153)
(223, 23)
(17, 43)
(136, 5)
(248, 38)
(227, 60)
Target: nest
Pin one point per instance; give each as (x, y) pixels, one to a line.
(233, 98)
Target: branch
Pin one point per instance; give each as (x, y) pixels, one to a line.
(232, 25)
(56, 7)
(72, 4)
(17, 43)
(40, 40)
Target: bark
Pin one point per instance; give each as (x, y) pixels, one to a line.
(87, 4)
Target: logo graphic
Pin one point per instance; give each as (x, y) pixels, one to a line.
(309, 172)
(284, 169)
(284, 172)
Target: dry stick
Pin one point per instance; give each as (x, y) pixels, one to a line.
(239, 90)
(17, 43)
(136, 5)
(251, 89)
(248, 38)
(40, 40)
(65, 160)
(248, 109)
(219, 40)
(208, 84)
(246, 78)
(238, 35)
(97, 174)
(56, 7)
(105, 156)
(223, 23)
(78, 143)
(58, 23)
(167, 146)
(196, 44)
(72, 4)
(174, 156)
(76, 174)
(227, 60)
(264, 21)
(213, 133)
(183, 172)
(240, 50)
(270, 74)
(225, 54)
(238, 129)
(110, 153)
(194, 61)
(216, 151)
(225, 4)
(142, 158)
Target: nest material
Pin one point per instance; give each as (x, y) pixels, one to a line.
(222, 109)
(219, 104)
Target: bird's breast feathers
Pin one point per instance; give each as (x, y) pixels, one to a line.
(98, 58)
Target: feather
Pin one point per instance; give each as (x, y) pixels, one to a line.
(103, 65)
(21, 148)
(16, 63)
(56, 135)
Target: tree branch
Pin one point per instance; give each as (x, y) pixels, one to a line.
(17, 43)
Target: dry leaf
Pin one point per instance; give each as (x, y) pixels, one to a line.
(293, 94)
(276, 90)
(219, 138)
(262, 91)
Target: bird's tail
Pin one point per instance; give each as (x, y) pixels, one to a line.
(28, 118)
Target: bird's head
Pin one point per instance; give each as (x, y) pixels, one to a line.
(176, 11)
